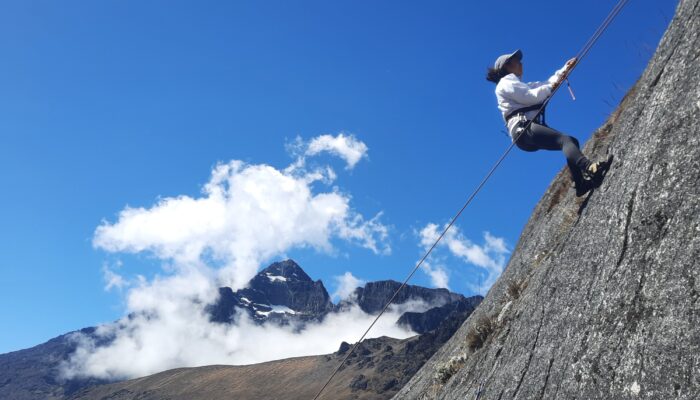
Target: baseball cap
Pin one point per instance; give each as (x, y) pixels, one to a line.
(502, 60)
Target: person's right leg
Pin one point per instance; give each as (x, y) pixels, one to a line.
(542, 137)
(547, 138)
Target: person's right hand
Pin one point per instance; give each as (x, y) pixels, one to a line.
(569, 64)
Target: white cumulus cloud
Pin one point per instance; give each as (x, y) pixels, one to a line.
(437, 273)
(344, 146)
(246, 214)
(490, 257)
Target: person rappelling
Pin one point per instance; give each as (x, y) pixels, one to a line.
(521, 105)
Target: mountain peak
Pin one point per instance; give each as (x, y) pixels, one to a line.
(281, 292)
(284, 271)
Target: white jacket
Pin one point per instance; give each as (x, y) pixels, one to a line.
(512, 94)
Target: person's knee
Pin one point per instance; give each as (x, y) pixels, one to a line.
(524, 146)
(566, 139)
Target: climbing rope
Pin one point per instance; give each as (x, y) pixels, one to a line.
(581, 54)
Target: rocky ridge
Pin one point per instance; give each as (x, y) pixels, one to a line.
(284, 294)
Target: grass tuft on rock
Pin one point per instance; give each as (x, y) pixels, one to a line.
(479, 332)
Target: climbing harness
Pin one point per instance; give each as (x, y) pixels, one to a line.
(581, 54)
(523, 110)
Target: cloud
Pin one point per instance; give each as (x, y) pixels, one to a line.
(438, 274)
(184, 337)
(491, 256)
(372, 234)
(346, 285)
(346, 147)
(246, 214)
(113, 279)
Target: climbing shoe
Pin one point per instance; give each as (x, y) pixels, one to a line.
(583, 186)
(596, 171)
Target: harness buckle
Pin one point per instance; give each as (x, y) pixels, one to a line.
(520, 123)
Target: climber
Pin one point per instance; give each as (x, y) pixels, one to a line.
(519, 103)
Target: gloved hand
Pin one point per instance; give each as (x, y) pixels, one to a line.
(569, 64)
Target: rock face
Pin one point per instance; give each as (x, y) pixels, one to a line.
(600, 297)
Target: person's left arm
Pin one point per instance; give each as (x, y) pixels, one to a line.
(558, 76)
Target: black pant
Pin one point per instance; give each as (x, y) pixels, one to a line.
(541, 137)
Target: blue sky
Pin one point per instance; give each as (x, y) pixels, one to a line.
(115, 103)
